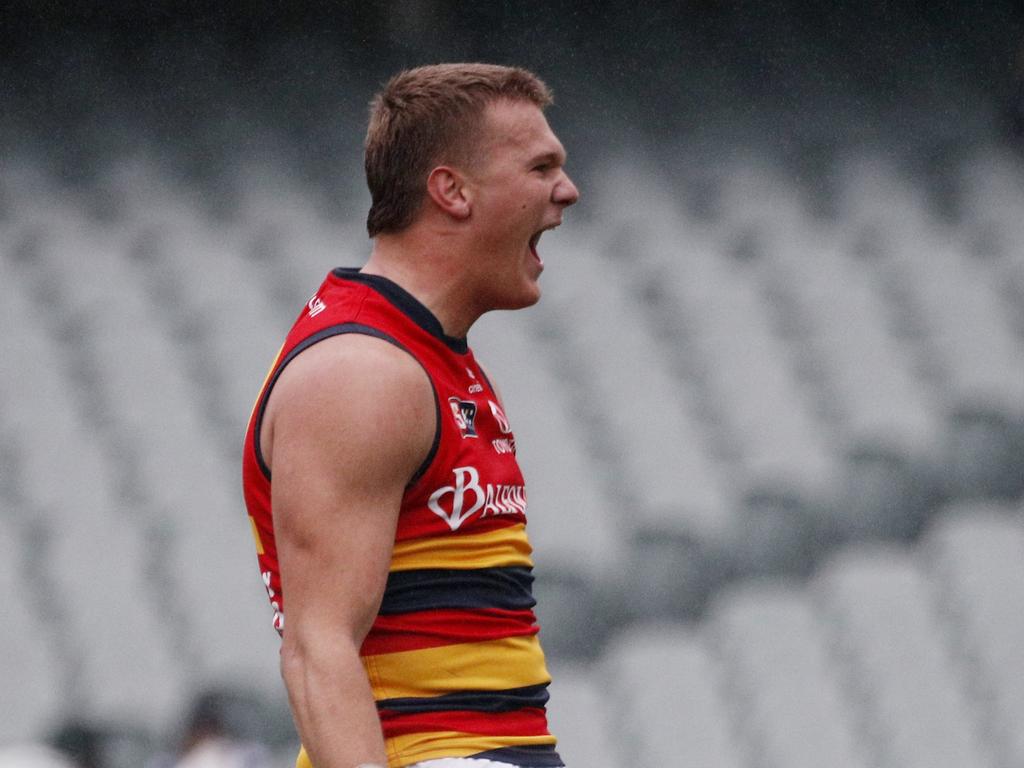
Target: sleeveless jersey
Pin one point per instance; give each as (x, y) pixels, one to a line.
(453, 656)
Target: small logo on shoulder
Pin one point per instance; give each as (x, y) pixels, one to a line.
(464, 412)
(499, 416)
(316, 306)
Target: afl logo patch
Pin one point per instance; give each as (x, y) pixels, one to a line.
(464, 412)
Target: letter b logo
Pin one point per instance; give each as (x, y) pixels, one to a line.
(467, 479)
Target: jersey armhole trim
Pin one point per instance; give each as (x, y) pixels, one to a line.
(326, 333)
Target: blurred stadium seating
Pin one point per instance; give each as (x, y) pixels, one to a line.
(709, 414)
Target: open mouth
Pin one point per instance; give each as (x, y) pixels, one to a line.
(535, 239)
(533, 246)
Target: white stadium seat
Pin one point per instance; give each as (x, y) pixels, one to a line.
(976, 551)
(898, 656)
(667, 699)
(778, 657)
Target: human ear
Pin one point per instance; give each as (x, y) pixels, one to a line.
(447, 188)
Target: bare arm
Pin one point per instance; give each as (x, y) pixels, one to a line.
(348, 423)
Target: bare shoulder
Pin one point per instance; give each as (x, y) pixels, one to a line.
(347, 425)
(352, 392)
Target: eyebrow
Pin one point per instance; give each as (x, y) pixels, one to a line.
(551, 156)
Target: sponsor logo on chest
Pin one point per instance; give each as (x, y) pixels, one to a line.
(506, 444)
(466, 497)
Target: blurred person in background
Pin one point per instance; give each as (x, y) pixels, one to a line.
(220, 733)
(82, 743)
(395, 521)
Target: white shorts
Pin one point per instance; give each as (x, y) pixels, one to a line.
(461, 762)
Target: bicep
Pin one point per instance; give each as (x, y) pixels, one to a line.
(351, 422)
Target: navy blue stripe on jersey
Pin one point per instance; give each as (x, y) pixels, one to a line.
(541, 756)
(475, 701)
(509, 589)
(326, 333)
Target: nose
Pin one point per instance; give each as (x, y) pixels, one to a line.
(565, 192)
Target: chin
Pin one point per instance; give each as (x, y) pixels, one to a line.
(527, 297)
(533, 299)
(532, 293)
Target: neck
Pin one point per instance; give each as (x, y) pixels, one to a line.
(431, 271)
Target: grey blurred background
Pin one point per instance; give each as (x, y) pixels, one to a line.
(770, 409)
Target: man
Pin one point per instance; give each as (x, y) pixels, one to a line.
(395, 520)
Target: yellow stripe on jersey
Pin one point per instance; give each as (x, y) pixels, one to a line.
(417, 747)
(501, 548)
(256, 535)
(270, 371)
(493, 665)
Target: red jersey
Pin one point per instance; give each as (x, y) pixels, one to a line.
(453, 656)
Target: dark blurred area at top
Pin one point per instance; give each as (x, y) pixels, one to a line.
(206, 87)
